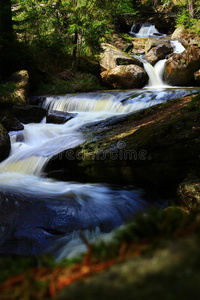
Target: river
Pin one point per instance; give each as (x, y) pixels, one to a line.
(43, 215)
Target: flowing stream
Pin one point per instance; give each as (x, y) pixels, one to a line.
(95, 209)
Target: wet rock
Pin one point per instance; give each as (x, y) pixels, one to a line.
(29, 113)
(125, 77)
(30, 224)
(37, 100)
(58, 117)
(4, 143)
(11, 123)
(11, 207)
(36, 224)
(189, 192)
(113, 57)
(180, 68)
(151, 43)
(158, 53)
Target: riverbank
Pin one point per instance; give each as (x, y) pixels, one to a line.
(157, 253)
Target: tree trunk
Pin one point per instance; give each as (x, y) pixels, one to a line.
(191, 7)
(6, 30)
(6, 34)
(74, 64)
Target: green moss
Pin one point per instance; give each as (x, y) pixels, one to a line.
(7, 91)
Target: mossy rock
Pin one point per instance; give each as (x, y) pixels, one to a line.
(136, 149)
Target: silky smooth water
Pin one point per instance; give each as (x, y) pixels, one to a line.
(95, 209)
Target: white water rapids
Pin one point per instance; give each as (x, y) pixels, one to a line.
(32, 147)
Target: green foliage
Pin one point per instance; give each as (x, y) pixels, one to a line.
(7, 91)
(195, 103)
(57, 28)
(15, 265)
(11, 266)
(155, 224)
(125, 7)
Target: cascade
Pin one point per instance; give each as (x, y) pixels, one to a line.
(145, 30)
(156, 73)
(95, 209)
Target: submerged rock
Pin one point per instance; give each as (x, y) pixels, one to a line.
(59, 117)
(125, 77)
(4, 143)
(180, 68)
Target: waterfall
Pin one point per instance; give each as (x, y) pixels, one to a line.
(94, 209)
(145, 30)
(155, 74)
(31, 148)
(104, 104)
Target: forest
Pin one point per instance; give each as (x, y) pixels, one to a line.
(47, 37)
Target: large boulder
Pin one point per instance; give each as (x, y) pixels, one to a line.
(152, 42)
(11, 123)
(4, 143)
(29, 113)
(180, 68)
(125, 77)
(158, 53)
(156, 147)
(113, 57)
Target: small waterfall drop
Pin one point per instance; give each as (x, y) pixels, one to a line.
(145, 30)
(155, 74)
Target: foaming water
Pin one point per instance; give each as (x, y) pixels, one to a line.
(146, 30)
(155, 74)
(96, 106)
(178, 47)
(95, 209)
(73, 245)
